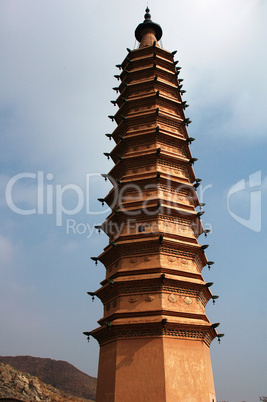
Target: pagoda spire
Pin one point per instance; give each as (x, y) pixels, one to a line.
(148, 32)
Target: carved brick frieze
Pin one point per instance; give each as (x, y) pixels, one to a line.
(112, 333)
(175, 168)
(152, 290)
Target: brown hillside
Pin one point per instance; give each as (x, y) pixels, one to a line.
(58, 373)
(18, 386)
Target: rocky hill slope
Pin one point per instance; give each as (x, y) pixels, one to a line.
(18, 386)
(59, 374)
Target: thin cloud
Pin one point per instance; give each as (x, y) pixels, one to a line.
(7, 250)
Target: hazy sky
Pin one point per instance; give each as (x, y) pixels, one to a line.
(57, 65)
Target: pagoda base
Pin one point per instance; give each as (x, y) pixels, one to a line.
(159, 369)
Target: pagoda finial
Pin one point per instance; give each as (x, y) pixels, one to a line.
(147, 14)
(148, 24)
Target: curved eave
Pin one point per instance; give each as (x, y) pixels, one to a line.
(143, 133)
(148, 51)
(151, 156)
(153, 241)
(148, 60)
(109, 199)
(152, 138)
(117, 330)
(129, 132)
(132, 88)
(134, 283)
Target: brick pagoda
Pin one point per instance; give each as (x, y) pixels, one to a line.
(154, 336)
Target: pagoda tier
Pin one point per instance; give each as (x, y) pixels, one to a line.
(154, 335)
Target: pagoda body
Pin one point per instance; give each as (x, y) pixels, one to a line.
(154, 336)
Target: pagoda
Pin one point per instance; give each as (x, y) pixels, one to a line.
(154, 336)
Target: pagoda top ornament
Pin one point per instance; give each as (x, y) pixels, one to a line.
(148, 23)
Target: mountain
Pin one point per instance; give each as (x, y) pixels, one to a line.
(57, 373)
(18, 386)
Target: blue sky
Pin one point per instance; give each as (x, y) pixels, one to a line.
(57, 65)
